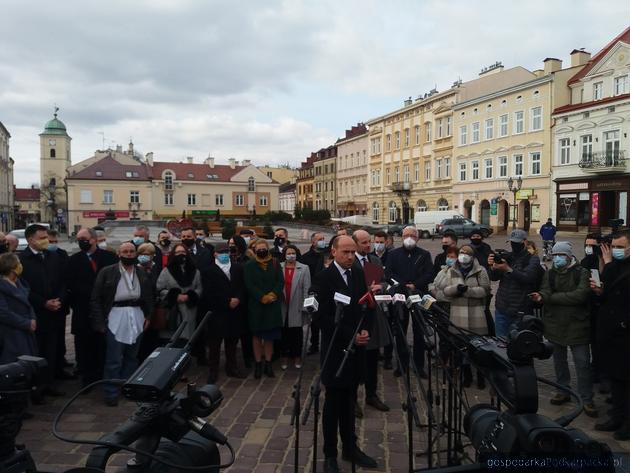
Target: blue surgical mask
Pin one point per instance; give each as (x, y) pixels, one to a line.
(52, 247)
(138, 240)
(223, 258)
(321, 244)
(450, 261)
(619, 253)
(559, 261)
(144, 259)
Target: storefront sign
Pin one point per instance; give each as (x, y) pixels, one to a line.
(572, 186)
(524, 193)
(595, 209)
(204, 212)
(607, 185)
(103, 214)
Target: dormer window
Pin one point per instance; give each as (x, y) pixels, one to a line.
(168, 180)
(251, 185)
(191, 175)
(99, 173)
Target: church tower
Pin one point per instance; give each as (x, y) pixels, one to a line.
(54, 144)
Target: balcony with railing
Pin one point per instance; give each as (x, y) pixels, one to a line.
(401, 187)
(605, 161)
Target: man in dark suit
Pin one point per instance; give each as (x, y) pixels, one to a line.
(339, 405)
(47, 294)
(380, 246)
(411, 266)
(83, 267)
(314, 259)
(280, 241)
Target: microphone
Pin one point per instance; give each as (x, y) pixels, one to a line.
(310, 304)
(428, 303)
(341, 300)
(367, 301)
(413, 299)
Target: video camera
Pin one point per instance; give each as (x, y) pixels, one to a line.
(615, 224)
(502, 256)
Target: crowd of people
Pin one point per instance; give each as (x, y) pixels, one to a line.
(127, 303)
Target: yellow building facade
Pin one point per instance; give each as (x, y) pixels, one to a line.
(352, 172)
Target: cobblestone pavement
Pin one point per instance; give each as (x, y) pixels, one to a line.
(255, 415)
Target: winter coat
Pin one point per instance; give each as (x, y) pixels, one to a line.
(566, 314)
(168, 289)
(259, 282)
(16, 314)
(467, 308)
(300, 285)
(514, 286)
(217, 292)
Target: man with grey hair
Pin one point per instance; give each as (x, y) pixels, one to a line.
(412, 267)
(142, 235)
(12, 243)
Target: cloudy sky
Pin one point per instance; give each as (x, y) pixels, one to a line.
(268, 80)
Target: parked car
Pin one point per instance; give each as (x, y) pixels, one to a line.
(427, 221)
(462, 227)
(19, 234)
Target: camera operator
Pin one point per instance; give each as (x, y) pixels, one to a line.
(613, 332)
(564, 294)
(519, 273)
(338, 413)
(412, 267)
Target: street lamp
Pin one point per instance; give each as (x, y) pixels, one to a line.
(52, 190)
(514, 186)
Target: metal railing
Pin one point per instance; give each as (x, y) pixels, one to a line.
(604, 159)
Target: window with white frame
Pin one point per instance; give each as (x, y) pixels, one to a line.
(487, 166)
(438, 169)
(407, 137)
(388, 143)
(447, 167)
(393, 212)
(442, 204)
(373, 177)
(396, 174)
(387, 177)
(475, 132)
(192, 199)
(534, 159)
(536, 117)
(417, 129)
(503, 125)
(416, 172)
(422, 206)
(168, 180)
(375, 212)
(475, 170)
(427, 131)
(406, 173)
(218, 200)
(134, 197)
(397, 140)
(519, 122)
(239, 200)
(108, 197)
(378, 177)
(587, 147)
(375, 145)
(463, 135)
(565, 151)
(251, 185)
(489, 128)
(598, 90)
(518, 165)
(439, 128)
(168, 198)
(449, 130)
(621, 85)
(427, 171)
(263, 201)
(503, 166)
(462, 171)
(85, 197)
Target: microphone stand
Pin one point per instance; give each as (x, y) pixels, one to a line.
(350, 348)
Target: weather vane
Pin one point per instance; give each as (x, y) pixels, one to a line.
(56, 110)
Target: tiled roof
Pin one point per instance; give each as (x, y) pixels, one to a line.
(110, 169)
(287, 187)
(624, 36)
(592, 103)
(196, 172)
(26, 194)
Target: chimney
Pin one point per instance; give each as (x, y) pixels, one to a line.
(552, 65)
(149, 158)
(209, 161)
(119, 149)
(247, 162)
(232, 162)
(131, 147)
(579, 57)
(538, 72)
(189, 159)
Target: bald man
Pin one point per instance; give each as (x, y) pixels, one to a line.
(343, 277)
(12, 243)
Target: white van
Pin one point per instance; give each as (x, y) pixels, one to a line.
(426, 222)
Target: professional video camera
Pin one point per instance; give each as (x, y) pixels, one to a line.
(615, 224)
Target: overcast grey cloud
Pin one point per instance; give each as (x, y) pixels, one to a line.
(270, 81)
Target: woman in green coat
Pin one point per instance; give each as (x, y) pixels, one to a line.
(264, 283)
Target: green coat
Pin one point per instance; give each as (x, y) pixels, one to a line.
(566, 314)
(258, 283)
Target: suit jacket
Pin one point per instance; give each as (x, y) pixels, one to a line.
(379, 337)
(104, 292)
(413, 267)
(217, 292)
(202, 257)
(326, 283)
(46, 281)
(80, 282)
(314, 260)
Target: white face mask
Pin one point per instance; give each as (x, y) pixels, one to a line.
(102, 245)
(588, 250)
(409, 243)
(379, 247)
(464, 259)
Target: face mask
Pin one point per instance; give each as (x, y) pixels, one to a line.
(223, 258)
(409, 243)
(321, 244)
(247, 240)
(233, 250)
(559, 261)
(445, 247)
(18, 269)
(188, 242)
(144, 259)
(138, 240)
(279, 241)
(517, 247)
(53, 246)
(102, 245)
(450, 261)
(475, 241)
(464, 259)
(291, 258)
(84, 245)
(42, 244)
(199, 237)
(619, 253)
(128, 261)
(165, 242)
(588, 250)
(262, 254)
(379, 247)
(179, 259)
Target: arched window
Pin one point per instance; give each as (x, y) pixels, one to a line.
(168, 180)
(393, 211)
(375, 212)
(442, 204)
(422, 206)
(53, 153)
(251, 185)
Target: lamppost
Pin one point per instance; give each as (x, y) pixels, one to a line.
(514, 186)
(52, 190)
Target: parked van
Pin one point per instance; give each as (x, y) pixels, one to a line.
(427, 222)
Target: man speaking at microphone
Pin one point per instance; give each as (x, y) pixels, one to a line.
(342, 278)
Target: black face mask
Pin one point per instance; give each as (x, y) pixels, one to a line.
(165, 242)
(279, 241)
(129, 261)
(179, 259)
(445, 247)
(233, 250)
(85, 245)
(188, 242)
(475, 241)
(3, 248)
(262, 253)
(517, 247)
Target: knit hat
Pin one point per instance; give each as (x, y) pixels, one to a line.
(563, 248)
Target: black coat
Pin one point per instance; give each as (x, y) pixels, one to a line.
(613, 322)
(16, 314)
(217, 292)
(202, 257)
(383, 257)
(482, 252)
(80, 281)
(46, 281)
(410, 267)
(314, 260)
(326, 283)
